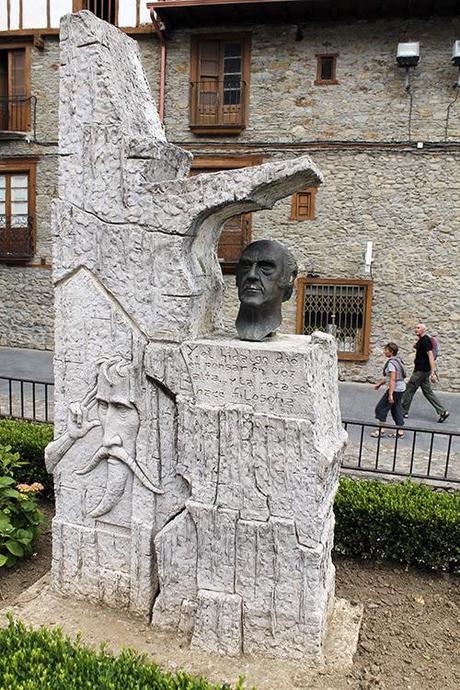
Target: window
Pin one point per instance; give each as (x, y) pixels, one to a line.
(219, 83)
(338, 306)
(17, 210)
(326, 69)
(304, 205)
(236, 233)
(15, 89)
(104, 9)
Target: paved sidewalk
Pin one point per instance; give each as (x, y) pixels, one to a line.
(357, 400)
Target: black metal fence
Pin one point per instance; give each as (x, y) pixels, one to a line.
(422, 453)
(26, 399)
(426, 454)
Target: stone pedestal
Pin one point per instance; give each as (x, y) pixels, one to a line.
(246, 567)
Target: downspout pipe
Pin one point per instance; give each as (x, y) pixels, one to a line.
(162, 88)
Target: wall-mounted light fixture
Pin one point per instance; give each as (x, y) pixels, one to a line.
(368, 258)
(456, 86)
(407, 56)
(456, 60)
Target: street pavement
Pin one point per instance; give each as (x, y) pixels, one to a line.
(357, 400)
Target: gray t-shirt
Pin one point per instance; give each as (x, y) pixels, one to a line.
(400, 385)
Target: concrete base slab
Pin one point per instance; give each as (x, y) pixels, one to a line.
(39, 605)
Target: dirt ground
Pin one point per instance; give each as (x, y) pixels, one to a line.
(410, 635)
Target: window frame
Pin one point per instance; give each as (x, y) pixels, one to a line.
(27, 48)
(368, 284)
(216, 164)
(29, 167)
(319, 81)
(78, 5)
(295, 205)
(220, 128)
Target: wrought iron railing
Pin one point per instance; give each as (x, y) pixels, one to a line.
(218, 103)
(18, 113)
(16, 238)
(423, 453)
(26, 399)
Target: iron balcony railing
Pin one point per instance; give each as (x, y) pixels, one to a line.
(218, 103)
(26, 399)
(16, 238)
(18, 114)
(423, 453)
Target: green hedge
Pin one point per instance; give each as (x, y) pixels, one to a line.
(46, 659)
(407, 522)
(29, 439)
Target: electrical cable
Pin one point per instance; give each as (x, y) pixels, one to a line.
(451, 104)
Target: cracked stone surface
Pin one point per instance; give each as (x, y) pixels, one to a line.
(195, 475)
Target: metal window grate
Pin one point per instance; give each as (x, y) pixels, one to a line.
(336, 308)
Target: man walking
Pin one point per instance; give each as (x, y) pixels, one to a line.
(424, 373)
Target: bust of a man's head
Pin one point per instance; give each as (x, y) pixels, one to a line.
(265, 277)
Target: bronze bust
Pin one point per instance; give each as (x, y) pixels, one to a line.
(265, 276)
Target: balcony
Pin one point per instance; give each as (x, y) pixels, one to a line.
(17, 116)
(218, 107)
(16, 242)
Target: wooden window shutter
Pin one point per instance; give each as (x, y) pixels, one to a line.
(208, 82)
(17, 72)
(19, 103)
(303, 205)
(236, 234)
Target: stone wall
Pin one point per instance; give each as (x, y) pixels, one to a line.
(369, 103)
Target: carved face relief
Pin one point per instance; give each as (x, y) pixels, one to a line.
(118, 416)
(119, 420)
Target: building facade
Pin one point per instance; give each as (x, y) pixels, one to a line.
(378, 244)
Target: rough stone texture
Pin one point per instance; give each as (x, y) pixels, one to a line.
(259, 442)
(195, 476)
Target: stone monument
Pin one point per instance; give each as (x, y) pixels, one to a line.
(195, 474)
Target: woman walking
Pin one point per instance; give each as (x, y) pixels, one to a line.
(394, 374)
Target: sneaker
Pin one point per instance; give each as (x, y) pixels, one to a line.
(443, 416)
(405, 415)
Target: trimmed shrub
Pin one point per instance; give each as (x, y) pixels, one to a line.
(29, 439)
(407, 522)
(49, 660)
(20, 516)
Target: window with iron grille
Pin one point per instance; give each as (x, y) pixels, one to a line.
(104, 9)
(326, 69)
(219, 83)
(17, 208)
(303, 205)
(338, 306)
